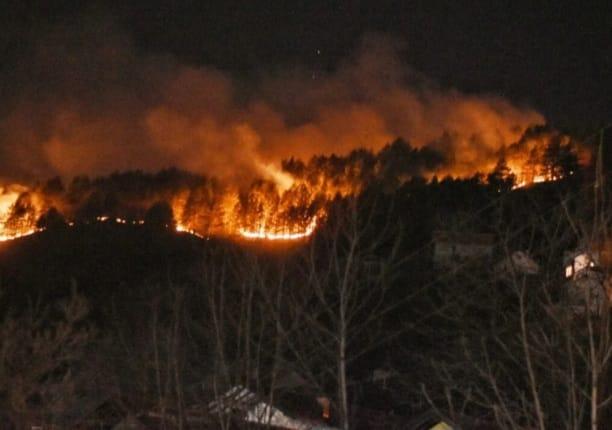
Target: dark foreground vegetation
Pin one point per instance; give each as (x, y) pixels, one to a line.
(448, 300)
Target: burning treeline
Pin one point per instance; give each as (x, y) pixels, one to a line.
(87, 102)
(287, 208)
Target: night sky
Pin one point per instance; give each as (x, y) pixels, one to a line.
(553, 56)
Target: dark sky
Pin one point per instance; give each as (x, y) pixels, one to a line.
(555, 56)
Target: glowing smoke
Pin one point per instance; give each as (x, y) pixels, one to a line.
(87, 102)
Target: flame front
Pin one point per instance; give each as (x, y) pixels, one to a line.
(263, 233)
(16, 235)
(287, 204)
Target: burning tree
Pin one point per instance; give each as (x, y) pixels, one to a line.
(285, 206)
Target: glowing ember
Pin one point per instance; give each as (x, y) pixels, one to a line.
(184, 229)
(538, 179)
(263, 234)
(11, 236)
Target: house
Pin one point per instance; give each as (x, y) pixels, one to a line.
(428, 421)
(454, 248)
(251, 408)
(585, 281)
(578, 264)
(519, 262)
(382, 375)
(130, 423)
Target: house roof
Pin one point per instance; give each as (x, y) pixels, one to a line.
(255, 409)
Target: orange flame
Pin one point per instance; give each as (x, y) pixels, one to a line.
(288, 205)
(263, 234)
(16, 235)
(9, 229)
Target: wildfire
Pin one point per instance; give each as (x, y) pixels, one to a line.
(12, 229)
(10, 236)
(263, 234)
(538, 179)
(287, 204)
(181, 228)
(184, 229)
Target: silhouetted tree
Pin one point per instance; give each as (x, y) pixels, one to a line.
(560, 159)
(51, 220)
(54, 186)
(516, 352)
(41, 358)
(501, 178)
(160, 216)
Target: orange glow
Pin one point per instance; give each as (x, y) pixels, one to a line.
(13, 227)
(288, 203)
(264, 234)
(537, 179)
(10, 236)
(184, 229)
(268, 155)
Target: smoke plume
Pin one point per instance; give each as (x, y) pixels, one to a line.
(85, 100)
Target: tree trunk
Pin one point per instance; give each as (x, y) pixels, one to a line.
(342, 383)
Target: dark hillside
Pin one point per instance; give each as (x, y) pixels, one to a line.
(105, 260)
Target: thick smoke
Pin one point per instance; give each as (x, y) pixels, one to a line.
(86, 101)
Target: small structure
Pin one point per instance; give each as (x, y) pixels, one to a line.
(246, 405)
(518, 262)
(453, 248)
(428, 421)
(382, 375)
(130, 423)
(579, 264)
(585, 281)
